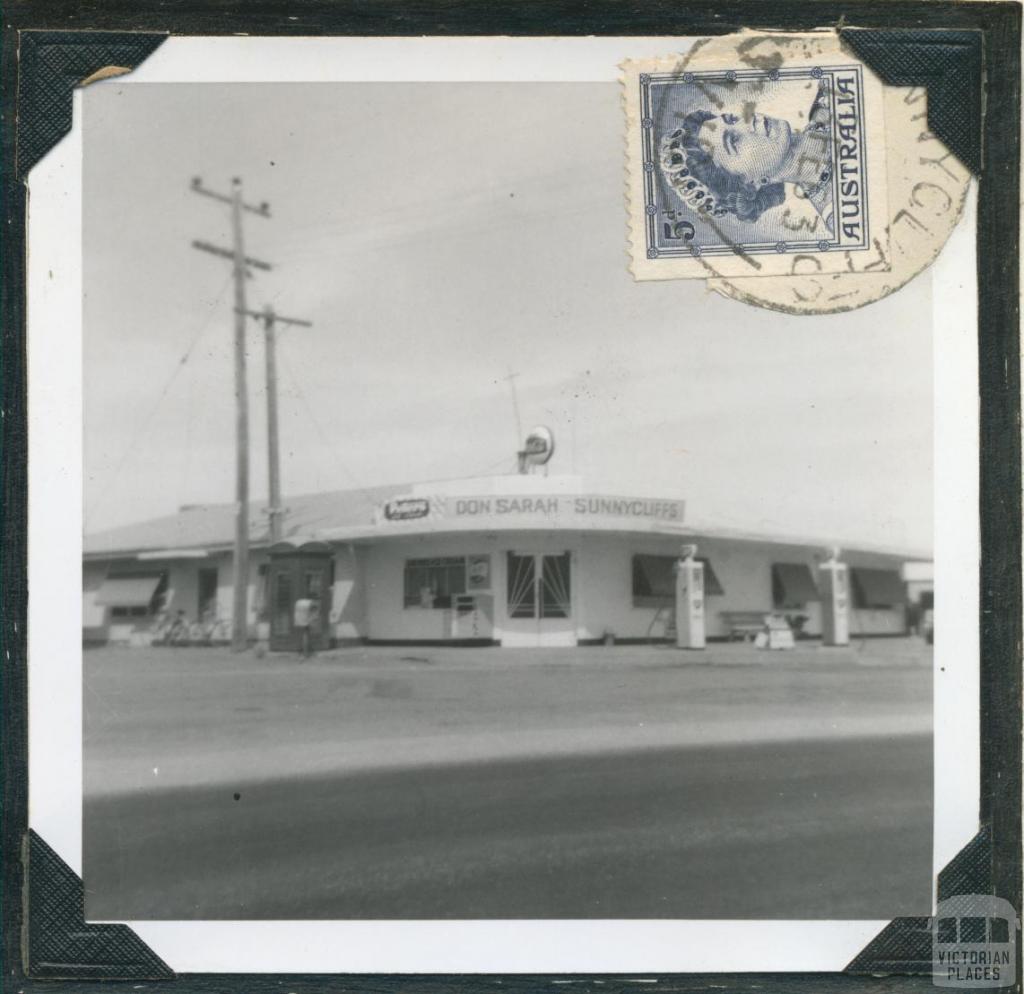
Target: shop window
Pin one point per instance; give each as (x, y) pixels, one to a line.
(133, 595)
(793, 585)
(654, 579)
(877, 588)
(431, 583)
(313, 585)
(129, 612)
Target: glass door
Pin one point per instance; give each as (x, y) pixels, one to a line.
(522, 586)
(538, 603)
(556, 586)
(282, 604)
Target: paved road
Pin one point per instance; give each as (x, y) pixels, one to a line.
(804, 829)
(159, 718)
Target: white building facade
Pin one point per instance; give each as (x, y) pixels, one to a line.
(524, 560)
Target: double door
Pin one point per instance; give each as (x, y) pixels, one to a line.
(538, 599)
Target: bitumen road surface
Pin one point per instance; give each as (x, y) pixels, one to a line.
(823, 823)
(793, 830)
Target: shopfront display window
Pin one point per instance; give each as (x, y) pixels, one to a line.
(654, 579)
(431, 583)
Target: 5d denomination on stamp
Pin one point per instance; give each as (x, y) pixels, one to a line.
(742, 160)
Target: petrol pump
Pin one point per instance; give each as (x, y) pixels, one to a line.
(689, 600)
(835, 601)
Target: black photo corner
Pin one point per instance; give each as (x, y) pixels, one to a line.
(967, 56)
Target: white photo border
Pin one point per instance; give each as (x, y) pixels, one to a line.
(55, 542)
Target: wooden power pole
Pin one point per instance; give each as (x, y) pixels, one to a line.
(242, 265)
(275, 509)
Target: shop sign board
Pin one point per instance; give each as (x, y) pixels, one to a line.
(453, 512)
(406, 509)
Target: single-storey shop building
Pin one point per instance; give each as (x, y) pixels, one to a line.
(524, 560)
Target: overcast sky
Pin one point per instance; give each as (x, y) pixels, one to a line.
(441, 236)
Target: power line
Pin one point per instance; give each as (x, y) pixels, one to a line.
(402, 213)
(300, 393)
(489, 470)
(144, 425)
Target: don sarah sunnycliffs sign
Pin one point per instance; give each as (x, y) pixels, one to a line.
(541, 511)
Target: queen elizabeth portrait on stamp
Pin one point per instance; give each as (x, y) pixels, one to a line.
(739, 161)
(742, 171)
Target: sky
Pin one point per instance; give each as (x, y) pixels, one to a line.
(441, 237)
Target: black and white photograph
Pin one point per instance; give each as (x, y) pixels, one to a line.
(435, 569)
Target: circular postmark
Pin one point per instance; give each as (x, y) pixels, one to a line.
(778, 168)
(926, 191)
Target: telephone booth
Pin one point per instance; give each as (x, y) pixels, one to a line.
(297, 572)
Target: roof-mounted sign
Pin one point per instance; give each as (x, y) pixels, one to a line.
(539, 445)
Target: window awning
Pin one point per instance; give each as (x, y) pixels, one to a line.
(877, 587)
(795, 584)
(172, 554)
(127, 591)
(655, 576)
(712, 588)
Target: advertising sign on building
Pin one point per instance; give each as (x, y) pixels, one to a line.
(598, 511)
(478, 572)
(406, 509)
(565, 510)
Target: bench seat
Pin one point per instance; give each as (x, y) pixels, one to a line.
(744, 625)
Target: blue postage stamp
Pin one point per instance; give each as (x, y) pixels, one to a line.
(745, 171)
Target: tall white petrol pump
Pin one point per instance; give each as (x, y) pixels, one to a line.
(689, 600)
(835, 600)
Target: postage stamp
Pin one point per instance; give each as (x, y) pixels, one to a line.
(926, 188)
(744, 161)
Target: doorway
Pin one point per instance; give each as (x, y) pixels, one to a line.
(538, 599)
(294, 575)
(206, 610)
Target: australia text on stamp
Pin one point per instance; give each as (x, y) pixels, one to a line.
(926, 189)
(744, 161)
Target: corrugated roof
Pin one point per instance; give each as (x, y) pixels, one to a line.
(213, 525)
(843, 543)
(342, 514)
